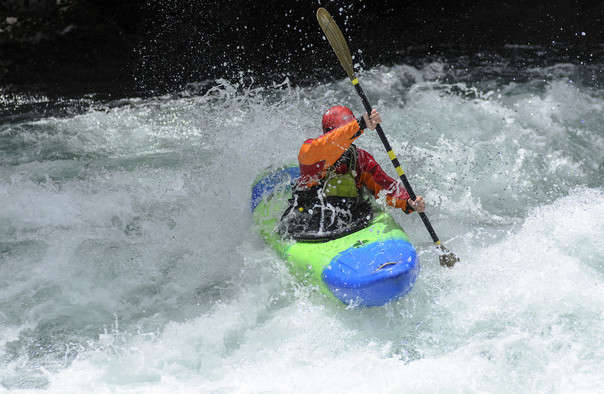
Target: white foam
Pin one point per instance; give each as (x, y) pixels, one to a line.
(128, 229)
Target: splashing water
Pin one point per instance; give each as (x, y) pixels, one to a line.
(128, 259)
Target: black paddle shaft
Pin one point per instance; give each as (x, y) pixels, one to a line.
(396, 163)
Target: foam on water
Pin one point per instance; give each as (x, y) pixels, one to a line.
(513, 317)
(129, 261)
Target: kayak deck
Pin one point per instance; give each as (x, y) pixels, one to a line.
(368, 267)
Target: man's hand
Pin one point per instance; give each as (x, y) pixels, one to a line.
(372, 121)
(419, 204)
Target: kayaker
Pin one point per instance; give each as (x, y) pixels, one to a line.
(331, 193)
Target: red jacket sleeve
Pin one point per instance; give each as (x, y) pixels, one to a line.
(375, 179)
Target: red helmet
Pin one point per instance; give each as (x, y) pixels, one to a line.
(335, 117)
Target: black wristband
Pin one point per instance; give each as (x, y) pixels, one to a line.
(361, 122)
(409, 208)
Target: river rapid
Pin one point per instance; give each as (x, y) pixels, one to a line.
(129, 261)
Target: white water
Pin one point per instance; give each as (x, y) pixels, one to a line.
(129, 262)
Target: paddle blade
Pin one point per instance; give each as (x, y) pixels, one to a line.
(337, 41)
(447, 258)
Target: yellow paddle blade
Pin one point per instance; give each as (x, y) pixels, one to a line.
(337, 41)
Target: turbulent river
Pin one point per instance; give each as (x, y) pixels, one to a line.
(129, 261)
